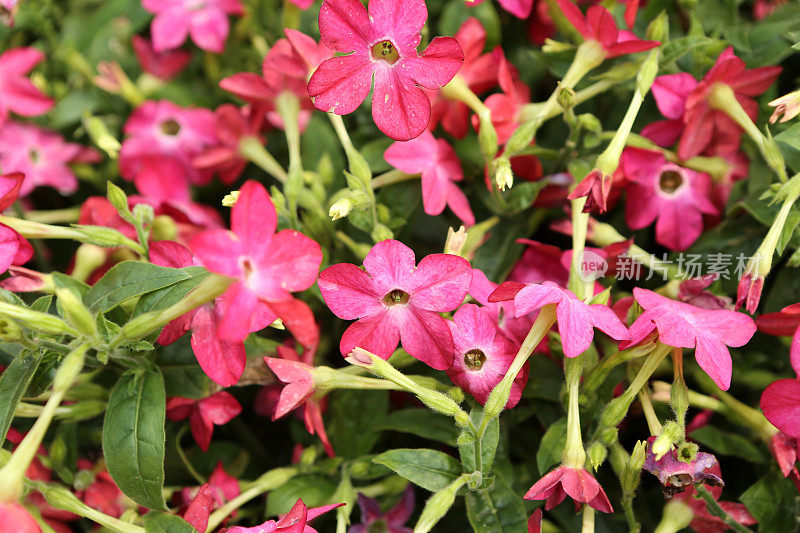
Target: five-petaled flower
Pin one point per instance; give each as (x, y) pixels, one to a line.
(382, 43)
(577, 483)
(20, 95)
(294, 521)
(395, 301)
(203, 414)
(205, 20)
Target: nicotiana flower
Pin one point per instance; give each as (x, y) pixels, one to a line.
(14, 249)
(577, 483)
(506, 106)
(392, 521)
(576, 319)
(674, 196)
(203, 414)
(690, 117)
(233, 125)
(598, 25)
(294, 521)
(479, 74)
(382, 43)
(19, 94)
(781, 405)
(163, 65)
(519, 8)
(392, 300)
(515, 329)
(267, 266)
(17, 519)
(205, 20)
(482, 355)
(708, 331)
(162, 139)
(786, 451)
(41, 155)
(784, 323)
(440, 168)
(199, 502)
(676, 475)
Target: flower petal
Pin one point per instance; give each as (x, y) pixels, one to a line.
(341, 83)
(348, 291)
(400, 109)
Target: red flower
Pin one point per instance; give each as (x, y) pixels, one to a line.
(577, 483)
(219, 408)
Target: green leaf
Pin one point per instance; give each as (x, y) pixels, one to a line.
(497, 509)
(130, 279)
(43, 377)
(134, 438)
(182, 374)
(354, 415)
(429, 469)
(315, 489)
(13, 383)
(772, 501)
(158, 522)
(522, 195)
(552, 446)
(726, 443)
(423, 423)
(491, 437)
(171, 294)
(42, 304)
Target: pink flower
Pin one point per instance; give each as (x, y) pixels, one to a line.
(515, 329)
(392, 521)
(748, 292)
(781, 405)
(576, 483)
(596, 187)
(40, 154)
(784, 323)
(535, 521)
(205, 20)
(162, 65)
(438, 163)
(540, 262)
(482, 355)
(14, 249)
(785, 451)
(267, 266)
(690, 117)
(200, 502)
(703, 520)
(17, 519)
(519, 8)
(215, 410)
(675, 197)
(19, 94)
(691, 291)
(382, 43)
(396, 301)
(162, 139)
(506, 106)
(576, 319)
(222, 360)
(676, 475)
(295, 521)
(233, 124)
(298, 374)
(681, 325)
(479, 73)
(598, 25)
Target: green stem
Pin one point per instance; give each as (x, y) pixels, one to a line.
(61, 498)
(391, 177)
(188, 464)
(599, 373)
(251, 149)
(574, 454)
(588, 519)
(715, 509)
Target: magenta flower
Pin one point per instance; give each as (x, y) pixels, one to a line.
(14, 249)
(708, 331)
(576, 319)
(675, 197)
(577, 483)
(781, 405)
(19, 94)
(479, 73)
(162, 139)
(515, 329)
(222, 360)
(205, 20)
(392, 521)
(506, 106)
(784, 323)
(268, 267)
(215, 410)
(395, 301)
(40, 154)
(295, 521)
(748, 292)
(382, 43)
(598, 25)
(200, 502)
(438, 163)
(482, 355)
(162, 65)
(676, 475)
(684, 102)
(233, 125)
(785, 451)
(692, 291)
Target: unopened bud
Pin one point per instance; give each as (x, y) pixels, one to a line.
(772, 153)
(455, 241)
(647, 73)
(37, 321)
(462, 419)
(456, 393)
(229, 200)
(438, 505)
(9, 330)
(658, 30)
(101, 136)
(633, 469)
(381, 233)
(590, 123)
(615, 411)
(565, 97)
(487, 137)
(786, 107)
(553, 47)
(503, 175)
(498, 398)
(118, 199)
(596, 454)
(340, 209)
(163, 228)
(102, 236)
(609, 436)
(670, 434)
(75, 312)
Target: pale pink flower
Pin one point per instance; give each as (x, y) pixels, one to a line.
(205, 20)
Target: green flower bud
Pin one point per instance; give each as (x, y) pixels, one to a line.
(381, 233)
(118, 199)
(9, 330)
(75, 312)
(487, 137)
(670, 434)
(609, 436)
(632, 472)
(658, 30)
(596, 454)
(503, 175)
(438, 505)
(565, 97)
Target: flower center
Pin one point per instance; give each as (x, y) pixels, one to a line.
(170, 127)
(396, 297)
(474, 359)
(379, 526)
(385, 51)
(33, 155)
(670, 181)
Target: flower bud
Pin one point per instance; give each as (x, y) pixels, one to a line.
(772, 153)
(75, 312)
(647, 73)
(670, 434)
(615, 411)
(596, 454)
(462, 419)
(163, 229)
(456, 393)
(609, 435)
(70, 369)
(487, 137)
(118, 199)
(633, 468)
(503, 176)
(565, 97)
(381, 233)
(38, 321)
(9, 331)
(498, 398)
(340, 208)
(102, 236)
(455, 241)
(658, 30)
(229, 200)
(553, 47)
(590, 122)
(438, 505)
